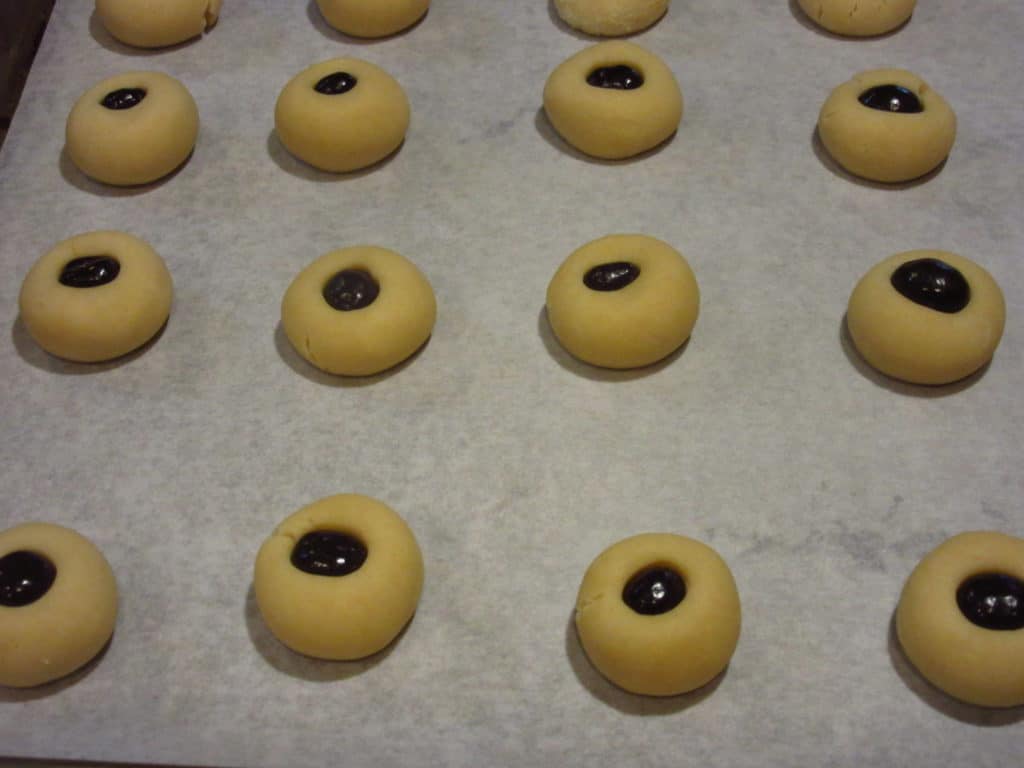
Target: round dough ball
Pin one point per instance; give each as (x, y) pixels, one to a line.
(613, 100)
(656, 644)
(132, 128)
(623, 301)
(907, 131)
(96, 296)
(342, 115)
(611, 18)
(156, 23)
(858, 18)
(372, 18)
(926, 317)
(979, 659)
(58, 603)
(339, 579)
(358, 311)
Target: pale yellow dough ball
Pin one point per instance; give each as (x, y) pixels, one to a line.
(372, 18)
(342, 115)
(909, 340)
(132, 128)
(157, 23)
(623, 301)
(972, 662)
(358, 311)
(610, 18)
(46, 636)
(858, 18)
(96, 296)
(885, 145)
(325, 609)
(613, 100)
(658, 652)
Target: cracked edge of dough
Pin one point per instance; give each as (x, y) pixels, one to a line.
(309, 351)
(587, 603)
(211, 14)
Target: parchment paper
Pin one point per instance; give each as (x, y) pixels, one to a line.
(821, 483)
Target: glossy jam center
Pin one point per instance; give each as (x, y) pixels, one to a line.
(335, 83)
(613, 276)
(24, 578)
(891, 98)
(619, 77)
(932, 283)
(328, 553)
(351, 289)
(653, 591)
(992, 601)
(89, 271)
(124, 98)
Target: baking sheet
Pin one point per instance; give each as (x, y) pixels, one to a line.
(820, 482)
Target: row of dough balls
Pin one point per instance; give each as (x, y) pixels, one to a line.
(100, 295)
(621, 301)
(925, 317)
(162, 23)
(613, 100)
(159, 23)
(168, 22)
(657, 614)
(853, 18)
(137, 127)
(616, 100)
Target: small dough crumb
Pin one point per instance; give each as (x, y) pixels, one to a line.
(372, 18)
(157, 23)
(613, 100)
(58, 603)
(960, 618)
(658, 614)
(96, 296)
(340, 578)
(858, 18)
(611, 18)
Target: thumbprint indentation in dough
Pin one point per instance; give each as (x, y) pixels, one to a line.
(24, 578)
(89, 271)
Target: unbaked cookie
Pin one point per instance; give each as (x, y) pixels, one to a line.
(58, 603)
(96, 296)
(623, 301)
(658, 614)
(340, 578)
(132, 128)
(156, 23)
(613, 100)
(927, 317)
(358, 311)
(372, 18)
(887, 125)
(858, 18)
(960, 618)
(342, 115)
(611, 18)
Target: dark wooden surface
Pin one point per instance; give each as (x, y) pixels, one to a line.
(21, 28)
